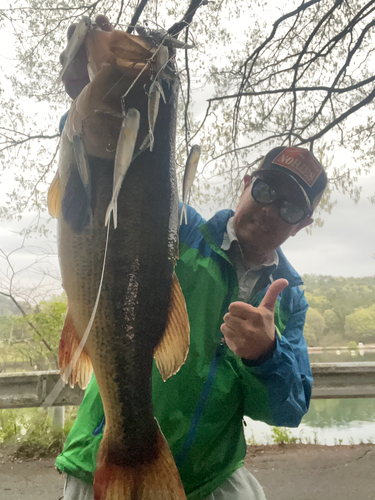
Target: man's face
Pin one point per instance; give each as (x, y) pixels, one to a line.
(259, 228)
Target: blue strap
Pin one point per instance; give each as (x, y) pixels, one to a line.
(100, 428)
(181, 457)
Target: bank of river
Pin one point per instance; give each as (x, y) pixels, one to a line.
(329, 421)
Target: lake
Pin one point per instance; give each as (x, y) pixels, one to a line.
(329, 421)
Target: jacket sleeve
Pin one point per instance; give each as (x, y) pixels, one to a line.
(286, 376)
(187, 233)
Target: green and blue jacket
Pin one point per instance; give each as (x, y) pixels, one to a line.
(200, 409)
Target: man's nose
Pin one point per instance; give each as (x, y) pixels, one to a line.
(271, 210)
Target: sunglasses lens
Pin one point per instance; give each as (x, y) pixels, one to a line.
(263, 193)
(291, 213)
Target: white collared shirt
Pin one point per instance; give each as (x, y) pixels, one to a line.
(247, 276)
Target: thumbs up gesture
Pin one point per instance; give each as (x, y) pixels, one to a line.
(250, 331)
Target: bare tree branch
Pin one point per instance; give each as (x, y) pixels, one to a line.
(10, 296)
(286, 90)
(187, 19)
(136, 16)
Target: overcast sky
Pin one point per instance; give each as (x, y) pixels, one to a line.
(345, 245)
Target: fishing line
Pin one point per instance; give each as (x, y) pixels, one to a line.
(51, 398)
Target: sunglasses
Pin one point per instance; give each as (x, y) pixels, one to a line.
(290, 212)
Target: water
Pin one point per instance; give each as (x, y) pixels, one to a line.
(329, 421)
(354, 356)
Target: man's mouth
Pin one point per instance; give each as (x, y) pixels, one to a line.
(261, 225)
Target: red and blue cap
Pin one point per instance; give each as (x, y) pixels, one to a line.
(300, 166)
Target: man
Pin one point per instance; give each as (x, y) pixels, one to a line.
(247, 354)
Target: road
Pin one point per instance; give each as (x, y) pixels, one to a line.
(291, 472)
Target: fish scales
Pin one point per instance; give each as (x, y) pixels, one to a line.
(134, 305)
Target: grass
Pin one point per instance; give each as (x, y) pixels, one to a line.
(32, 432)
(283, 436)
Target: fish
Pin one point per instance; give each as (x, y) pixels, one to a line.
(74, 44)
(141, 312)
(123, 158)
(154, 94)
(189, 176)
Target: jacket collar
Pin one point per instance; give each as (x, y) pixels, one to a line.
(213, 231)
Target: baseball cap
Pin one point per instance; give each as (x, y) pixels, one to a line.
(300, 166)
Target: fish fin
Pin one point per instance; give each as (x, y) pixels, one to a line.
(69, 343)
(145, 144)
(54, 196)
(157, 478)
(171, 352)
(183, 214)
(148, 142)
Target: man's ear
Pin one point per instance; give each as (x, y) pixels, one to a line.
(304, 223)
(247, 180)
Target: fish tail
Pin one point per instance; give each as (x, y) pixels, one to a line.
(183, 214)
(80, 371)
(112, 208)
(157, 479)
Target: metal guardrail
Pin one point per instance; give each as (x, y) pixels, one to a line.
(331, 381)
(29, 390)
(343, 380)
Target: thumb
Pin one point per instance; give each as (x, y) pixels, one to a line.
(269, 300)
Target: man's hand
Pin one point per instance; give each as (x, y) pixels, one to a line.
(113, 59)
(76, 76)
(250, 331)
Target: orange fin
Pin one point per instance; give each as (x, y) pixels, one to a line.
(155, 480)
(173, 348)
(69, 343)
(54, 197)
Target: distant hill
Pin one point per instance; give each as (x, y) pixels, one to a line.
(341, 310)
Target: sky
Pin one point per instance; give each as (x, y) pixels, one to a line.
(345, 245)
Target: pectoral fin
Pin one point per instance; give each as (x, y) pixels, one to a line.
(82, 369)
(173, 348)
(54, 197)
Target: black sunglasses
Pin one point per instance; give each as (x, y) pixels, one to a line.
(290, 212)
